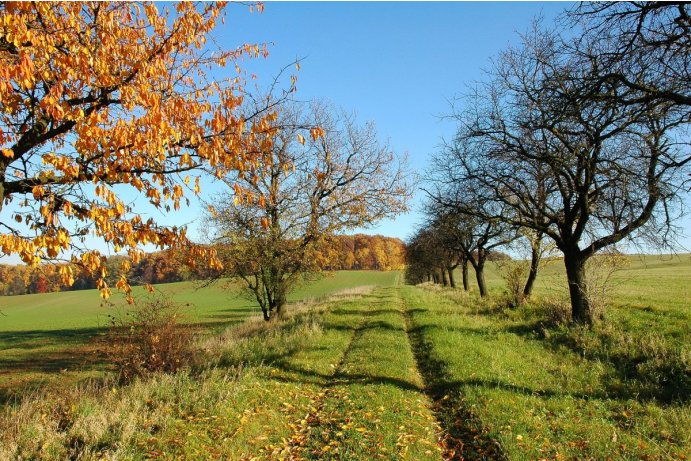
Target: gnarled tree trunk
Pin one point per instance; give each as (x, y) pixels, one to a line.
(480, 277)
(534, 267)
(575, 273)
(452, 280)
(464, 270)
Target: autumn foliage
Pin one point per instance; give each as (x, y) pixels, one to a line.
(107, 103)
(363, 252)
(342, 252)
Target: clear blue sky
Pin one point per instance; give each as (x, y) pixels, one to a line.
(397, 64)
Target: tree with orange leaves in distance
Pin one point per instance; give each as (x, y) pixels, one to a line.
(100, 98)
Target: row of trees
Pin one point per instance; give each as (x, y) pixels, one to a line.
(341, 252)
(580, 142)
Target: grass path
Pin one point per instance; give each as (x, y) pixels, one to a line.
(342, 386)
(371, 405)
(464, 436)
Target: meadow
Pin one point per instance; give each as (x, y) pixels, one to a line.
(51, 339)
(374, 369)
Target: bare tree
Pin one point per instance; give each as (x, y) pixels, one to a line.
(644, 46)
(460, 211)
(582, 170)
(324, 173)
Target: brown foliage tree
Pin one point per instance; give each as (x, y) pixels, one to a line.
(323, 174)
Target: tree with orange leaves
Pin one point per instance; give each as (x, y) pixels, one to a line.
(100, 98)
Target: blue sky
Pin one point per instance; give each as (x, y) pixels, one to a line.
(397, 64)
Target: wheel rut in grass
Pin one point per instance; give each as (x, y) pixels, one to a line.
(464, 437)
(296, 445)
(371, 405)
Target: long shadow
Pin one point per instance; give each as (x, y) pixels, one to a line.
(664, 383)
(338, 379)
(53, 361)
(466, 331)
(465, 436)
(34, 339)
(368, 312)
(378, 325)
(48, 353)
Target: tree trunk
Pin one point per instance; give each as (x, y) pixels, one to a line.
(464, 269)
(575, 274)
(280, 303)
(444, 282)
(265, 311)
(532, 275)
(452, 281)
(480, 276)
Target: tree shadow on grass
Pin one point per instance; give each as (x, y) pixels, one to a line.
(30, 359)
(465, 438)
(292, 374)
(34, 359)
(629, 376)
(34, 339)
(376, 325)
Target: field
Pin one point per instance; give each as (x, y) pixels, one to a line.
(50, 339)
(387, 371)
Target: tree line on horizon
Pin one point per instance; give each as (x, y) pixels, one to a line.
(341, 252)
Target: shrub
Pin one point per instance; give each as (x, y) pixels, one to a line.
(149, 339)
(557, 311)
(600, 270)
(514, 273)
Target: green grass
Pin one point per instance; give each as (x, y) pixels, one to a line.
(84, 310)
(52, 339)
(540, 397)
(335, 381)
(658, 282)
(399, 372)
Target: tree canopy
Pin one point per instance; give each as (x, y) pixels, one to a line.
(323, 173)
(100, 99)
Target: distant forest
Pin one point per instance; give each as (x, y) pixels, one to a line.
(343, 252)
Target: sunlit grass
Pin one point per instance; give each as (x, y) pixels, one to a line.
(551, 397)
(52, 339)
